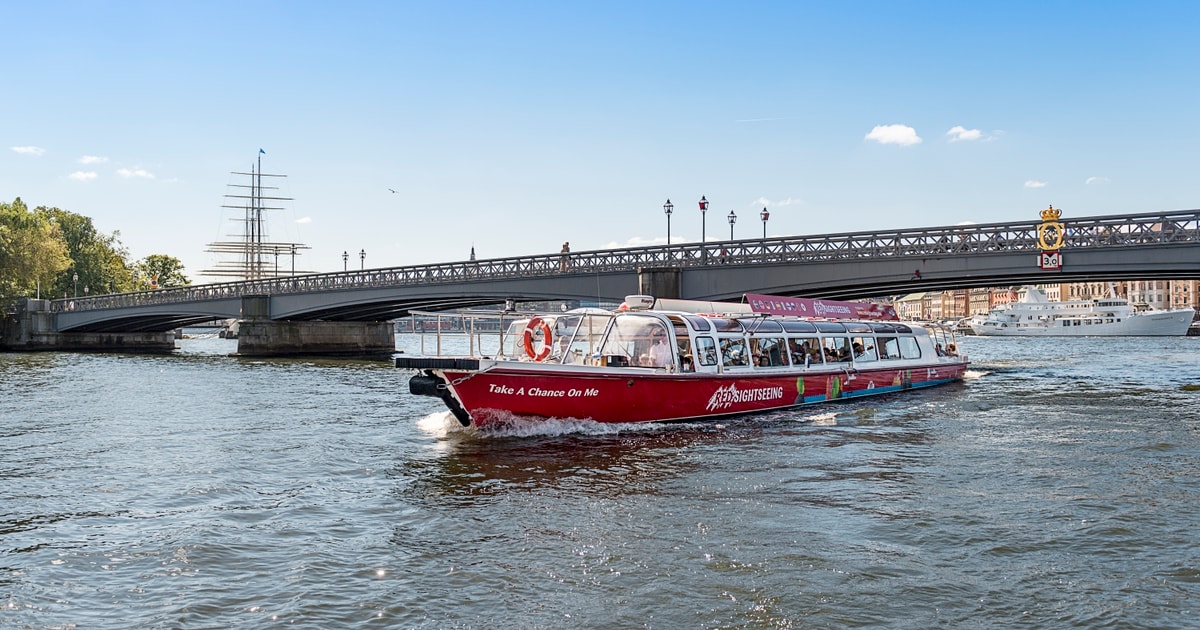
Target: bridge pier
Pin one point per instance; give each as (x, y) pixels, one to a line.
(259, 336)
(31, 327)
(659, 282)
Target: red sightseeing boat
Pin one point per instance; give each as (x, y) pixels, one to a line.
(680, 360)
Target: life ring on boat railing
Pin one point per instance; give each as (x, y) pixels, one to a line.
(547, 338)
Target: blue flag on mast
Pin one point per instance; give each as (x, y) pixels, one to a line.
(261, 151)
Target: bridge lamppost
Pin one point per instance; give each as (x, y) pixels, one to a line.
(293, 259)
(732, 219)
(362, 259)
(703, 225)
(276, 261)
(345, 259)
(668, 208)
(765, 215)
(75, 279)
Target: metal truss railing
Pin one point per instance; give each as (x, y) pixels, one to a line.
(958, 240)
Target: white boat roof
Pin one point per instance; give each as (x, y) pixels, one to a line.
(701, 306)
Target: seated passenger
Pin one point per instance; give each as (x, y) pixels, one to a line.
(938, 349)
(951, 351)
(764, 361)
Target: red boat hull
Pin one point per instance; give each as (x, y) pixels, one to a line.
(498, 393)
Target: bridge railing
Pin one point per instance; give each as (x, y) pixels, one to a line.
(957, 240)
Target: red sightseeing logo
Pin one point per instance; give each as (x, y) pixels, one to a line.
(726, 397)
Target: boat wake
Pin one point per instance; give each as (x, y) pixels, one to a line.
(970, 375)
(442, 425)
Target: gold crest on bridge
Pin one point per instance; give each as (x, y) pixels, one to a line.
(1050, 233)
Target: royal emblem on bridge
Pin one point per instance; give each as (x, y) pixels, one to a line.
(1050, 239)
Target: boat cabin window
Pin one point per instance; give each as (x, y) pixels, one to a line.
(864, 349)
(909, 348)
(769, 352)
(835, 349)
(762, 325)
(830, 327)
(706, 351)
(726, 325)
(806, 351)
(698, 323)
(733, 352)
(799, 327)
(889, 347)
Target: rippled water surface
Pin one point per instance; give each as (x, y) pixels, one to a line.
(1058, 487)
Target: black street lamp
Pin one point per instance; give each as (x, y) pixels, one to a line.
(765, 215)
(703, 226)
(362, 259)
(345, 258)
(732, 219)
(276, 261)
(75, 279)
(293, 259)
(668, 208)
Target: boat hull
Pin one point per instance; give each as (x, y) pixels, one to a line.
(495, 394)
(1153, 324)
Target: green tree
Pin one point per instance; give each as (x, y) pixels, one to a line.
(167, 270)
(99, 262)
(33, 252)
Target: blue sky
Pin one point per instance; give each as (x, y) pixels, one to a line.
(515, 126)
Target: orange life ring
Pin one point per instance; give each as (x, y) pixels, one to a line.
(547, 338)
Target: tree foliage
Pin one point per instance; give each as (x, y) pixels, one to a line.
(58, 253)
(167, 271)
(33, 252)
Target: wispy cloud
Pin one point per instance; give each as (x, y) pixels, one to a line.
(29, 150)
(1096, 180)
(82, 176)
(902, 135)
(93, 159)
(135, 172)
(1033, 183)
(962, 133)
(763, 201)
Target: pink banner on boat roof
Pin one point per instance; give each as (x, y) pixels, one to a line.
(828, 309)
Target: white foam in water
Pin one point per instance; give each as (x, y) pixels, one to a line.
(974, 374)
(443, 424)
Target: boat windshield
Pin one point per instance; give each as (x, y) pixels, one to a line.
(633, 339)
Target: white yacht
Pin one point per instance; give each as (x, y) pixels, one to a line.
(1036, 316)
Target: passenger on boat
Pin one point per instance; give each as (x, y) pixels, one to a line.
(686, 364)
(937, 347)
(660, 353)
(951, 351)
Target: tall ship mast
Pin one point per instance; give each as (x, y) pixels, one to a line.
(254, 256)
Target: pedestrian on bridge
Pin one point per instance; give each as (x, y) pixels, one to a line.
(564, 262)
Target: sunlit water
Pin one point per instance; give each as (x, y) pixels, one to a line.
(1058, 487)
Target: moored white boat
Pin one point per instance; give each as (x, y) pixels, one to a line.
(685, 360)
(1036, 316)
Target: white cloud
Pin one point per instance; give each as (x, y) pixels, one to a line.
(1096, 180)
(82, 176)
(763, 201)
(136, 172)
(304, 220)
(1033, 183)
(92, 159)
(902, 135)
(29, 150)
(962, 133)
